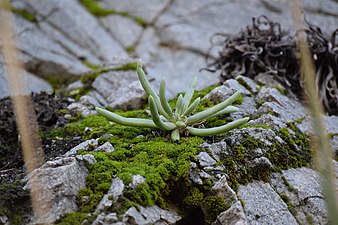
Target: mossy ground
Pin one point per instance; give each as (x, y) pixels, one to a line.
(165, 164)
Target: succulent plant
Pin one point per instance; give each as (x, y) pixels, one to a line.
(181, 119)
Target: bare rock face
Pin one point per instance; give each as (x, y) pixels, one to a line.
(55, 186)
(121, 89)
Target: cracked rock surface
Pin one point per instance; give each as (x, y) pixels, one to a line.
(64, 41)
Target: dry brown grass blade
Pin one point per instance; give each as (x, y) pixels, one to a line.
(23, 109)
(323, 153)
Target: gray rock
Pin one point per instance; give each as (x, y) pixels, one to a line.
(217, 149)
(109, 218)
(334, 145)
(120, 89)
(44, 57)
(55, 185)
(269, 120)
(185, 21)
(87, 145)
(248, 83)
(81, 108)
(287, 109)
(106, 147)
(117, 25)
(136, 180)
(114, 192)
(233, 216)
(235, 86)
(4, 220)
(147, 12)
(247, 107)
(270, 80)
(205, 159)
(82, 29)
(151, 215)
(221, 188)
(305, 184)
(30, 82)
(262, 205)
(178, 68)
(90, 102)
(265, 136)
(89, 158)
(330, 123)
(220, 94)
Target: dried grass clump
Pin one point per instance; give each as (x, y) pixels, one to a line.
(264, 48)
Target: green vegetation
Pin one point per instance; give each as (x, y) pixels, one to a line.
(25, 14)
(94, 8)
(180, 119)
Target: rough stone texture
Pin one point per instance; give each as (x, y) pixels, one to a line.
(56, 185)
(114, 192)
(124, 29)
(269, 120)
(263, 205)
(249, 84)
(217, 149)
(306, 187)
(121, 89)
(77, 24)
(148, 11)
(330, 122)
(43, 56)
(31, 83)
(151, 215)
(287, 109)
(233, 216)
(205, 159)
(106, 147)
(87, 145)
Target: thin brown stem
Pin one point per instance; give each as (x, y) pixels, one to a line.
(23, 109)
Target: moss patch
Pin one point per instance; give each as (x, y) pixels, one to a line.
(25, 14)
(293, 152)
(94, 8)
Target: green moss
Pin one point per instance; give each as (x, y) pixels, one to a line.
(291, 207)
(295, 153)
(280, 90)
(77, 219)
(97, 10)
(137, 151)
(13, 201)
(126, 67)
(241, 81)
(310, 219)
(214, 205)
(194, 197)
(25, 14)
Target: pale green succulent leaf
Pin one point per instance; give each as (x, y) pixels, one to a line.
(179, 105)
(188, 95)
(164, 102)
(227, 110)
(217, 130)
(148, 89)
(136, 122)
(192, 107)
(175, 135)
(209, 112)
(156, 117)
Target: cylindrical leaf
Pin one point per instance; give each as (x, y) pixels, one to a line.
(209, 112)
(136, 122)
(156, 117)
(217, 130)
